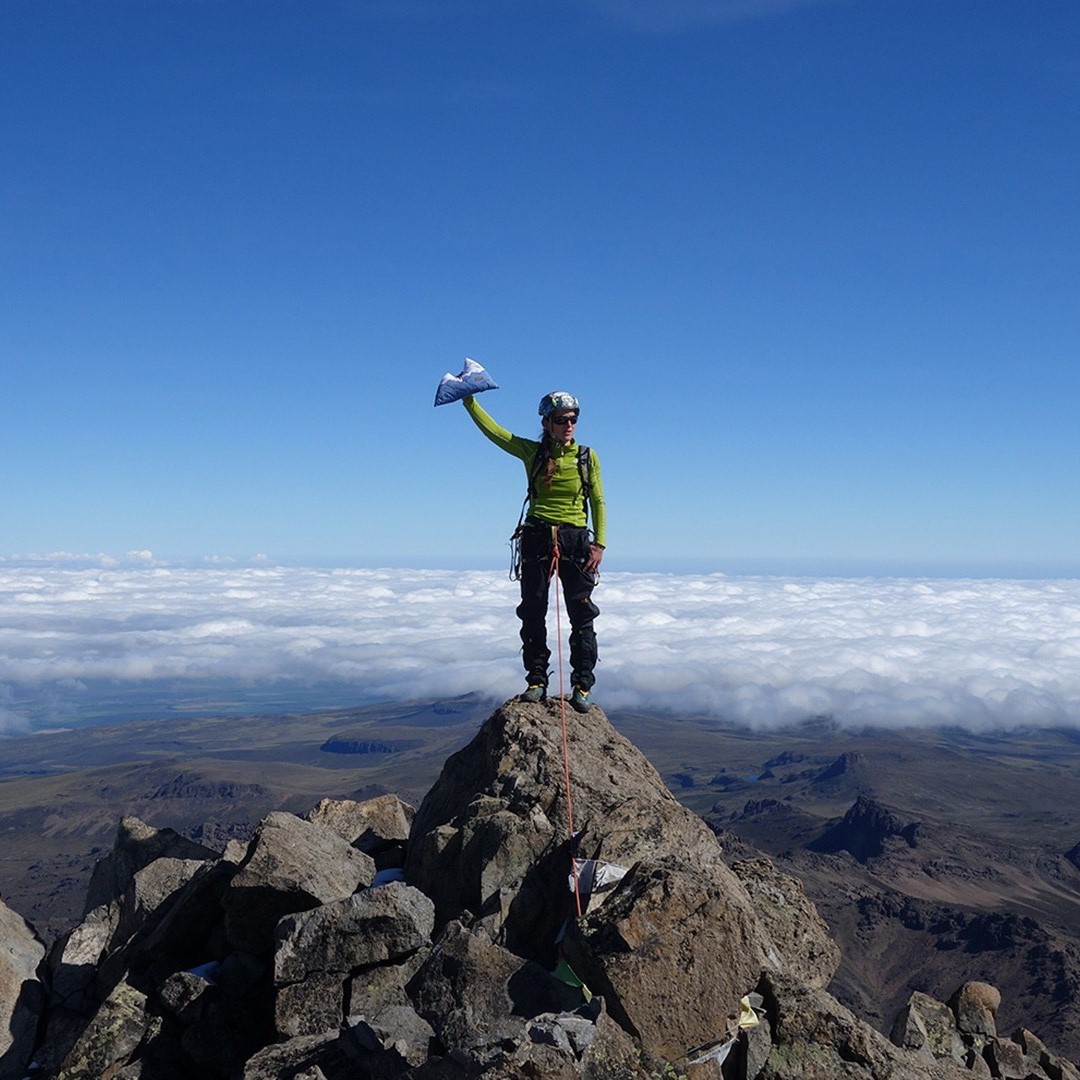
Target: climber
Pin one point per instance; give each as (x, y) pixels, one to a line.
(564, 488)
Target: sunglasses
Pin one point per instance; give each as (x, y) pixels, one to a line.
(562, 421)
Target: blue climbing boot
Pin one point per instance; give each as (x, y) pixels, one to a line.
(535, 692)
(580, 700)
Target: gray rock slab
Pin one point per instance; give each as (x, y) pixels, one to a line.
(375, 926)
(291, 865)
(22, 994)
(366, 825)
(137, 845)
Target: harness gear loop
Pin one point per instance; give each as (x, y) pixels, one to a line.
(553, 572)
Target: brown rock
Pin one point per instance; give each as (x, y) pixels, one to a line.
(975, 1004)
(799, 933)
(491, 837)
(670, 924)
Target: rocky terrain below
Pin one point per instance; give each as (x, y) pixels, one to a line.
(956, 868)
(482, 935)
(936, 858)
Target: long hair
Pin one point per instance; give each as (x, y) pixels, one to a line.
(546, 472)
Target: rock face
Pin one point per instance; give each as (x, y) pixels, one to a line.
(791, 920)
(492, 835)
(22, 995)
(290, 957)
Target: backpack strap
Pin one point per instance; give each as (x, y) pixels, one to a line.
(584, 465)
(540, 459)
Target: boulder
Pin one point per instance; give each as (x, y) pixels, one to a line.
(375, 926)
(165, 920)
(111, 1038)
(303, 1056)
(492, 836)
(584, 1043)
(226, 1022)
(149, 891)
(319, 950)
(396, 1038)
(22, 994)
(372, 989)
(935, 1021)
(372, 826)
(75, 983)
(186, 996)
(292, 865)
(137, 845)
(186, 929)
(312, 1007)
(975, 1004)
(476, 995)
(1006, 1059)
(672, 924)
(909, 1032)
(73, 958)
(1039, 1059)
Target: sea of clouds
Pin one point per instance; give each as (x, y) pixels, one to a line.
(759, 650)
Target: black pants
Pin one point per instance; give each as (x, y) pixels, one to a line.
(577, 586)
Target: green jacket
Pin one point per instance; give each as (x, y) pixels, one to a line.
(559, 502)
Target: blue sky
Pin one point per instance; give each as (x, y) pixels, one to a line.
(812, 268)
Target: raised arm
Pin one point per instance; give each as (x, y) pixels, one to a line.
(524, 449)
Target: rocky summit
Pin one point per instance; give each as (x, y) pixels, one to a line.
(549, 911)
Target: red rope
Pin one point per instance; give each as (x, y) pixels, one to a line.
(553, 572)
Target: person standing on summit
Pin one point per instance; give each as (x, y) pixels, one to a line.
(564, 489)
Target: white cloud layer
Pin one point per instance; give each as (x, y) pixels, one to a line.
(758, 650)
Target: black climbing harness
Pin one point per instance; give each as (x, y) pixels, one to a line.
(540, 459)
